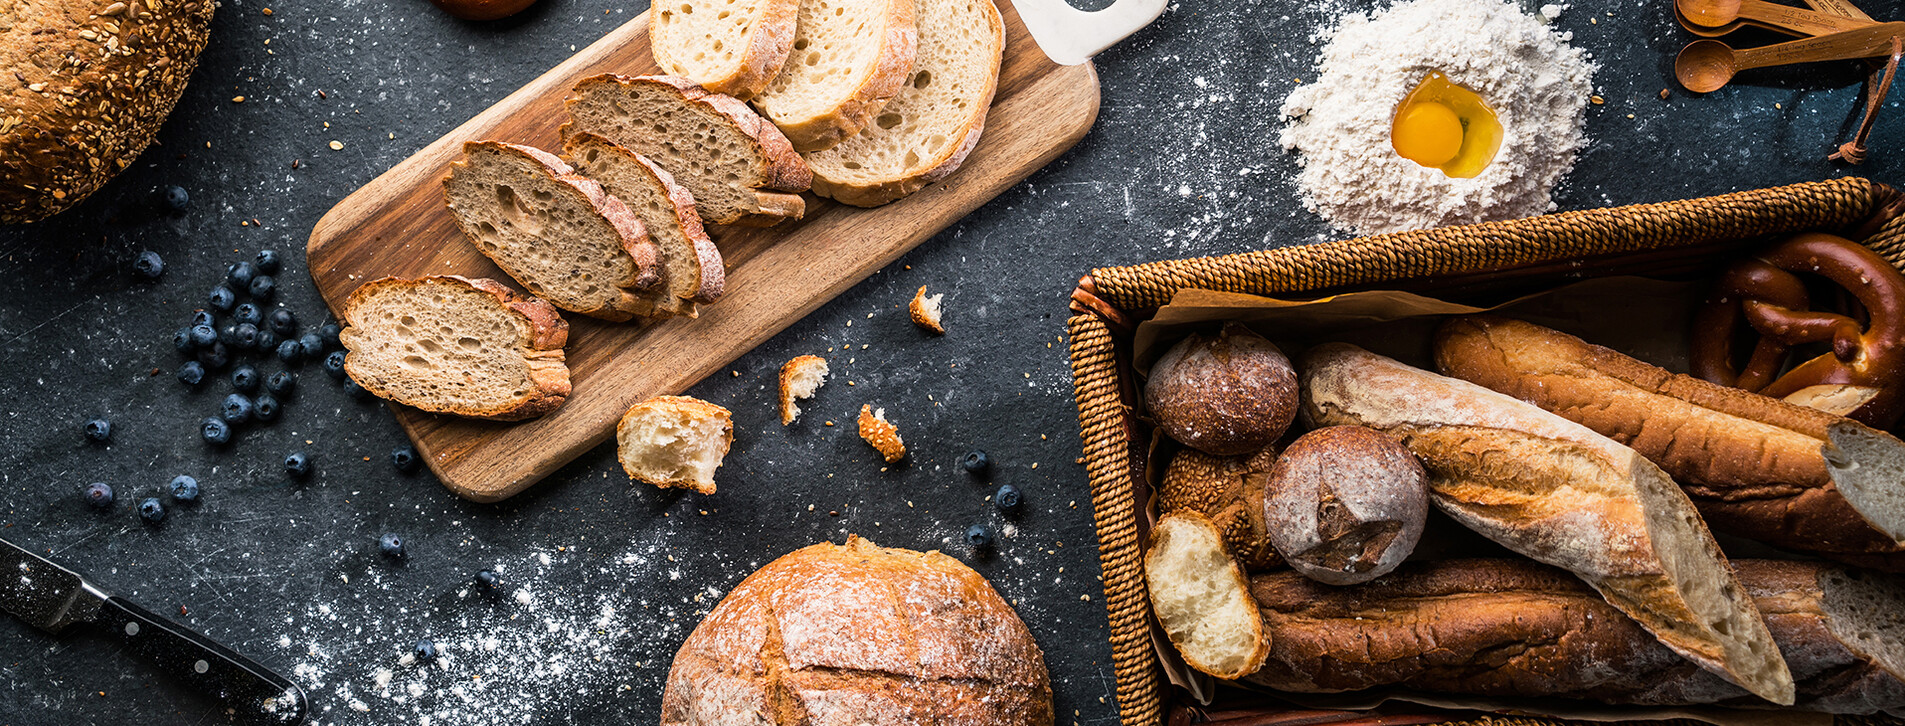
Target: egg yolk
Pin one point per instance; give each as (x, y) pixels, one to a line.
(1445, 126)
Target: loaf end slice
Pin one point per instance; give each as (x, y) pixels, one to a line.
(455, 345)
(800, 378)
(1201, 598)
(674, 442)
(691, 267)
(727, 47)
(849, 57)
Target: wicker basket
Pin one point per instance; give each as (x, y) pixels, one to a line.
(1655, 239)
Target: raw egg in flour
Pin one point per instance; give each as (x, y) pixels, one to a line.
(1445, 126)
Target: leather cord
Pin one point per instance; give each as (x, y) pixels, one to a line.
(1853, 152)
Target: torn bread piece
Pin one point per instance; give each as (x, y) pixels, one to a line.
(674, 442)
(800, 378)
(881, 433)
(926, 311)
(1201, 598)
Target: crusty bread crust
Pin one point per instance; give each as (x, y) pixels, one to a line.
(929, 320)
(881, 434)
(789, 405)
(710, 273)
(69, 126)
(542, 351)
(768, 43)
(897, 37)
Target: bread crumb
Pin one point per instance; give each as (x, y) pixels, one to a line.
(881, 433)
(800, 378)
(926, 312)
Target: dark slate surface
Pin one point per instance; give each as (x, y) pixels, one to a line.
(604, 579)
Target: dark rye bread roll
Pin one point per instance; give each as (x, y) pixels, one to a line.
(1512, 628)
(860, 634)
(85, 87)
(1227, 394)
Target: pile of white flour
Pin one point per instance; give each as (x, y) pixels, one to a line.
(1536, 83)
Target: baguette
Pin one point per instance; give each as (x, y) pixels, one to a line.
(1790, 476)
(1511, 628)
(1557, 492)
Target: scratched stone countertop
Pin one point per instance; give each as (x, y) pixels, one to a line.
(602, 579)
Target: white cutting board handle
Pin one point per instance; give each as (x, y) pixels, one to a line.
(1070, 36)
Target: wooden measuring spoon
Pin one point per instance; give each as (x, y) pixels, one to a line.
(1730, 14)
(1705, 66)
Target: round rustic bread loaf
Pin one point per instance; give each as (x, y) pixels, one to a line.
(1229, 394)
(89, 82)
(860, 634)
(1345, 504)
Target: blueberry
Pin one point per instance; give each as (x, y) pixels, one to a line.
(263, 287)
(976, 461)
(488, 579)
(192, 373)
(204, 317)
(248, 313)
(391, 545)
(1007, 498)
(267, 341)
(405, 459)
(283, 322)
(244, 336)
(98, 494)
(979, 536)
(282, 384)
(426, 650)
(352, 389)
(297, 465)
(215, 431)
(236, 409)
(184, 489)
(290, 352)
(265, 408)
(240, 275)
(98, 430)
(222, 298)
(228, 335)
(182, 341)
(214, 357)
(334, 364)
(203, 336)
(329, 334)
(245, 379)
(266, 261)
(148, 265)
(175, 198)
(151, 509)
(312, 345)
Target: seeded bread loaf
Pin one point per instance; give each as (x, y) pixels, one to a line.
(728, 47)
(1229, 491)
(739, 168)
(87, 85)
(849, 58)
(455, 345)
(557, 233)
(691, 267)
(925, 132)
(674, 442)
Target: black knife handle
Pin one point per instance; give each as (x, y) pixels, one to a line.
(254, 693)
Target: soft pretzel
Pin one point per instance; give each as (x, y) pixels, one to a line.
(1860, 378)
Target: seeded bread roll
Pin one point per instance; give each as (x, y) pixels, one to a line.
(690, 265)
(447, 344)
(849, 57)
(1345, 504)
(728, 47)
(1200, 598)
(1227, 394)
(87, 85)
(1228, 490)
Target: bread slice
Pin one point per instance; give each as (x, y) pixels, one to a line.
(555, 232)
(674, 442)
(926, 311)
(455, 345)
(849, 58)
(800, 378)
(1555, 491)
(737, 165)
(881, 434)
(927, 130)
(728, 47)
(691, 268)
(1201, 598)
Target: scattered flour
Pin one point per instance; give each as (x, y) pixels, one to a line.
(1536, 83)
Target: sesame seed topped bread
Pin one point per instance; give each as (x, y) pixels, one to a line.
(691, 268)
(674, 442)
(727, 46)
(881, 434)
(447, 344)
(849, 57)
(925, 132)
(864, 635)
(737, 165)
(557, 233)
(88, 83)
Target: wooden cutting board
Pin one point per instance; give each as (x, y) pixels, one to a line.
(397, 225)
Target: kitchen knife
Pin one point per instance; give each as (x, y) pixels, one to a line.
(50, 597)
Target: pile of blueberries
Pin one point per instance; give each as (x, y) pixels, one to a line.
(1007, 499)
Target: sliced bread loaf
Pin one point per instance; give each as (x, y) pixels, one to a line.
(728, 46)
(735, 163)
(927, 130)
(557, 233)
(446, 344)
(674, 442)
(691, 268)
(849, 58)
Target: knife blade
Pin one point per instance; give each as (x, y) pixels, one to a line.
(52, 598)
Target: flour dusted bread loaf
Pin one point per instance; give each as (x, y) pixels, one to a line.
(859, 634)
(1199, 596)
(1345, 504)
(87, 85)
(1229, 393)
(446, 344)
(925, 132)
(849, 58)
(740, 169)
(690, 265)
(727, 46)
(557, 233)
(1755, 466)
(1555, 491)
(674, 442)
